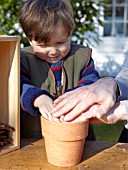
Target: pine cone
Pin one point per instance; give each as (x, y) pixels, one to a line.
(5, 138)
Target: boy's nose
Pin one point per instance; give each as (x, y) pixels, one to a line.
(53, 51)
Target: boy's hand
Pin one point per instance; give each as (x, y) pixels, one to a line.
(45, 104)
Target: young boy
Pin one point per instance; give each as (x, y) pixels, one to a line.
(52, 65)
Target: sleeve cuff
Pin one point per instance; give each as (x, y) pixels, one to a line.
(125, 102)
(123, 88)
(29, 94)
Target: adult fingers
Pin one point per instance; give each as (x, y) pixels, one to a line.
(63, 100)
(81, 110)
(62, 97)
(64, 109)
(74, 96)
(105, 106)
(84, 115)
(113, 115)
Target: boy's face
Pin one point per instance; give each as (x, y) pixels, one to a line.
(56, 49)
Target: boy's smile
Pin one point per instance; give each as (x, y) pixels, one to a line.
(56, 49)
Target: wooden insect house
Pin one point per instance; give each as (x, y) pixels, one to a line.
(9, 93)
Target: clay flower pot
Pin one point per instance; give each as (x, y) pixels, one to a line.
(64, 142)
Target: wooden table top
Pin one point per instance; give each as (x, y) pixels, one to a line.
(96, 156)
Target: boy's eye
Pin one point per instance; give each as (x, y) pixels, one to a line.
(61, 42)
(41, 45)
(46, 45)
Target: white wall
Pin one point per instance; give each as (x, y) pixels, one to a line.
(109, 55)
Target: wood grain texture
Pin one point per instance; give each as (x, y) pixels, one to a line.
(96, 156)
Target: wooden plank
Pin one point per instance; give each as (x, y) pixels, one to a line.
(9, 38)
(96, 156)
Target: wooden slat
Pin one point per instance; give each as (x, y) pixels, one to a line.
(8, 38)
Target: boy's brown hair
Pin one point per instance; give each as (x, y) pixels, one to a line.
(39, 18)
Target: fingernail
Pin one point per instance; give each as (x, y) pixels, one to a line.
(62, 118)
(66, 118)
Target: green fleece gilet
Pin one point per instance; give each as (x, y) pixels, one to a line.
(72, 66)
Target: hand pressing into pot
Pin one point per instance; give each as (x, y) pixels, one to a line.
(74, 103)
(45, 104)
(117, 113)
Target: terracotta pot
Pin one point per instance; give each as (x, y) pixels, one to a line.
(64, 142)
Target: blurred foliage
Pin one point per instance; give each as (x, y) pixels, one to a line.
(86, 14)
(107, 132)
(87, 20)
(9, 24)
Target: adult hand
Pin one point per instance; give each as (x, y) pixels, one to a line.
(117, 113)
(72, 104)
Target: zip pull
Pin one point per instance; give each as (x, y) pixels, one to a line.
(59, 90)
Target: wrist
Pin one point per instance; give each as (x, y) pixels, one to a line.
(37, 101)
(111, 82)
